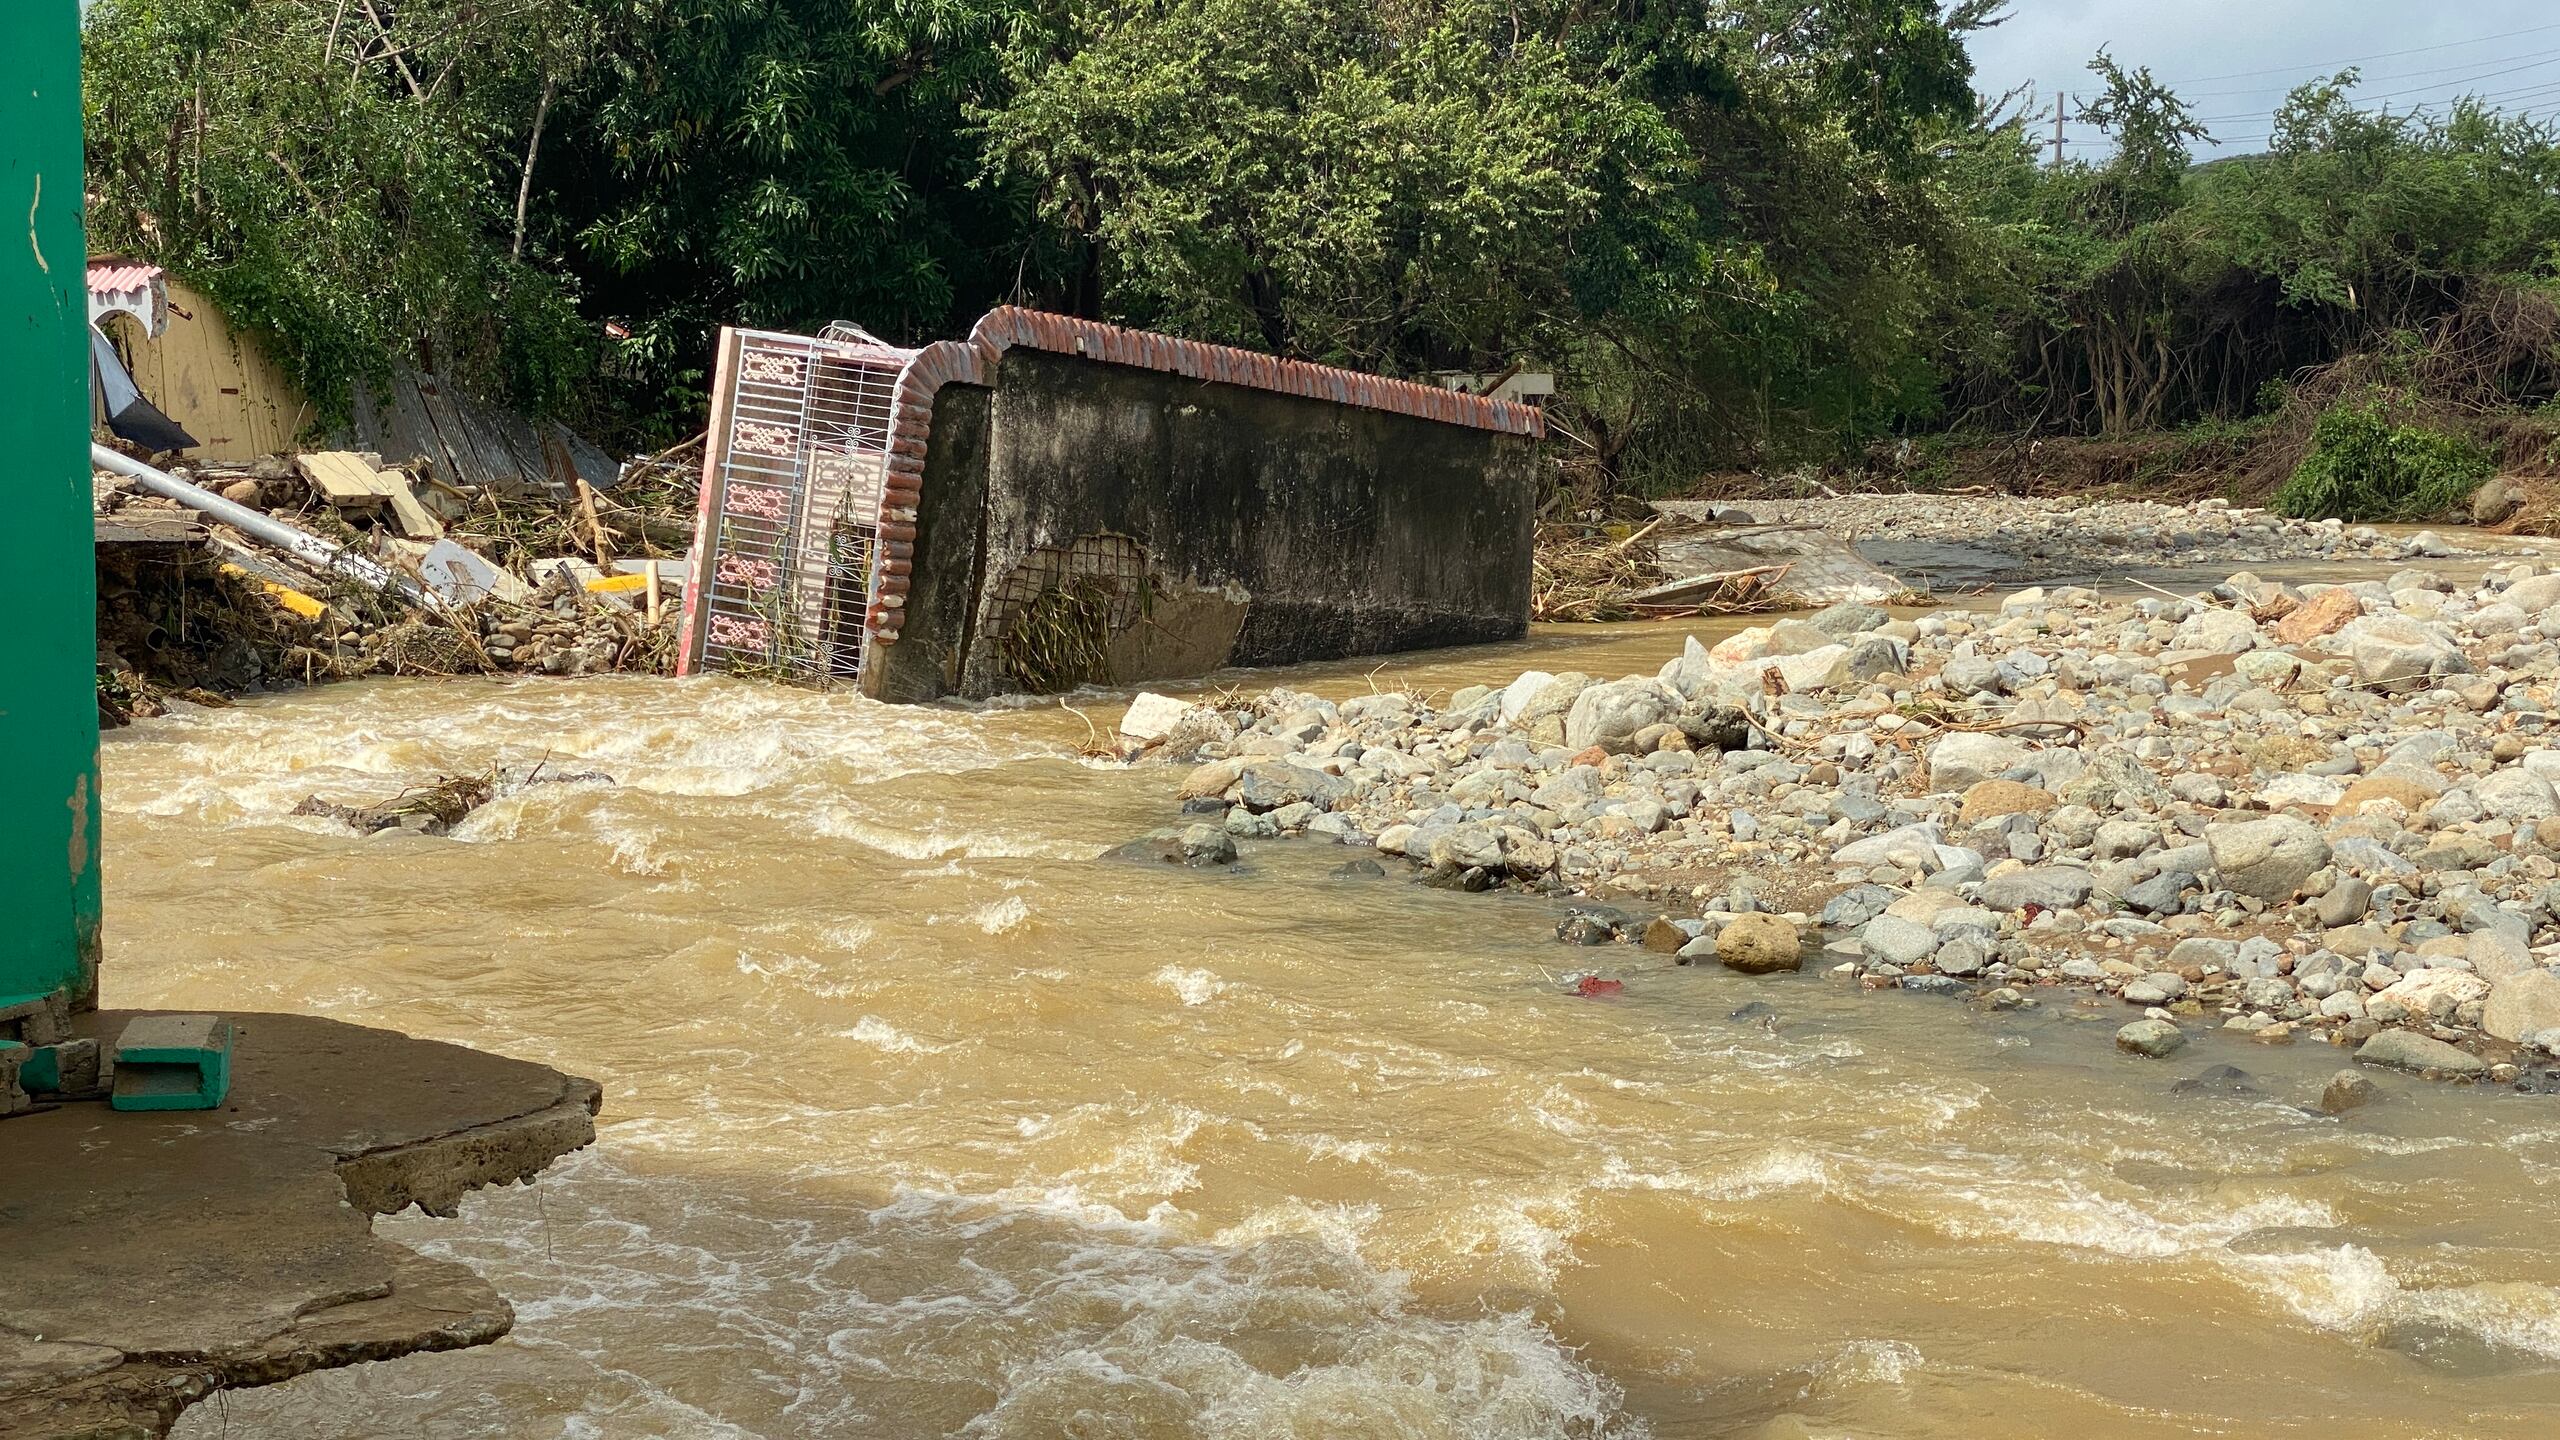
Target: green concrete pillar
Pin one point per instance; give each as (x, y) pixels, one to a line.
(48, 572)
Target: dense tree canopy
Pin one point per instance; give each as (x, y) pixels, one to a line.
(1742, 231)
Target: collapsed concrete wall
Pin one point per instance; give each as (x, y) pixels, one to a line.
(1099, 505)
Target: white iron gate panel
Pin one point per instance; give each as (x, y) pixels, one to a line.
(789, 532)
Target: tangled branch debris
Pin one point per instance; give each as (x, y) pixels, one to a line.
(1592, 570)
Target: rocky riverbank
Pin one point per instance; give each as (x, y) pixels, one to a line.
(2324, 813)
(2115, 536)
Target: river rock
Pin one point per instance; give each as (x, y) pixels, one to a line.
(2397, 654)
(1961, 760)
(2323, 614)
(1151, 717)
(2347, 1090)
(1995, 799)
(2432, 994)
(1211, 780)
(2221, 632)
(1207, 845)
(1542, 713)
(2158, 989)
(2154, 1038)
(1846, 619)
(2269, 858)
(2409, 1050)
(2345, 903)
(2522, 1005)
(2054, 887)
(1898, 941)
(2497, 498)
(1913, 846)
(1270, 784)
(2162, 894)
(2514, 794)
(1760, 944)
(1608, 716)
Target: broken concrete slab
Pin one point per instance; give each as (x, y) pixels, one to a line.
(157, 1257)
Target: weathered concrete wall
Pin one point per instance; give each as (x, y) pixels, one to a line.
(943, 585)
(1273, 527)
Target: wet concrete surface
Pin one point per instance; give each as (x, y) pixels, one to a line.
(155, 1257)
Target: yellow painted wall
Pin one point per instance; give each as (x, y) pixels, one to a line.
(219, 385)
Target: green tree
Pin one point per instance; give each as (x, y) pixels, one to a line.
(340, 181)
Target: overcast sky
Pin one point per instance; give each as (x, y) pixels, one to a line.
(2212, 51)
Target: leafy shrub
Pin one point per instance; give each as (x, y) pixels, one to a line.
(2363, 466)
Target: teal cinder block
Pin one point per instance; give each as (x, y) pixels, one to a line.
(173, 1062)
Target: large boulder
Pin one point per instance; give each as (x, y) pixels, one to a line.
(1758, 944)
(2433, 994)
(2268, 858)
(2521, 1005)
(1609, 715)
(2497, 498)
(2395, 653)
(1963, 760)
(2409, 1050)
(2534, 594)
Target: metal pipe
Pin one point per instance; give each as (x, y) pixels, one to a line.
(328, 555)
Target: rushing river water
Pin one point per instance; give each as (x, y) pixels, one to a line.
(922, 1119)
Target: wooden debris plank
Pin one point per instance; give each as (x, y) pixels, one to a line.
(412, 517)
(149, 528)
(1697, 586)
(342, 477)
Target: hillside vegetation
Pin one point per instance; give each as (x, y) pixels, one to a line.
(1745, 234)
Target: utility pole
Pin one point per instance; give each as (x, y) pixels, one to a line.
(2060, 102)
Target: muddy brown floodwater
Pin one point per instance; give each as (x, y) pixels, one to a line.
(924, 1120)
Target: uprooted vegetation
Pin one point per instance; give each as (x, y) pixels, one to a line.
(1601, 569)
(2364, 465)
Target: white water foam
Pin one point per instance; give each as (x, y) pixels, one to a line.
(1191, 986)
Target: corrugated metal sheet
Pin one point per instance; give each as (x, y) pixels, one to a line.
(469, 443)
(113, 277)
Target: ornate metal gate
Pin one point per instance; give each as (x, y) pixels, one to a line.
(787, 544)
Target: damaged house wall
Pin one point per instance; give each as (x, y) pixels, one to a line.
(1103, 506)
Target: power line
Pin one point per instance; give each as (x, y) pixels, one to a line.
(2371, 79)
(2334, 65)
(2413, 90)
(2501, 99)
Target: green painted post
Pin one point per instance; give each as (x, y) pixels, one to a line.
(48, 570)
